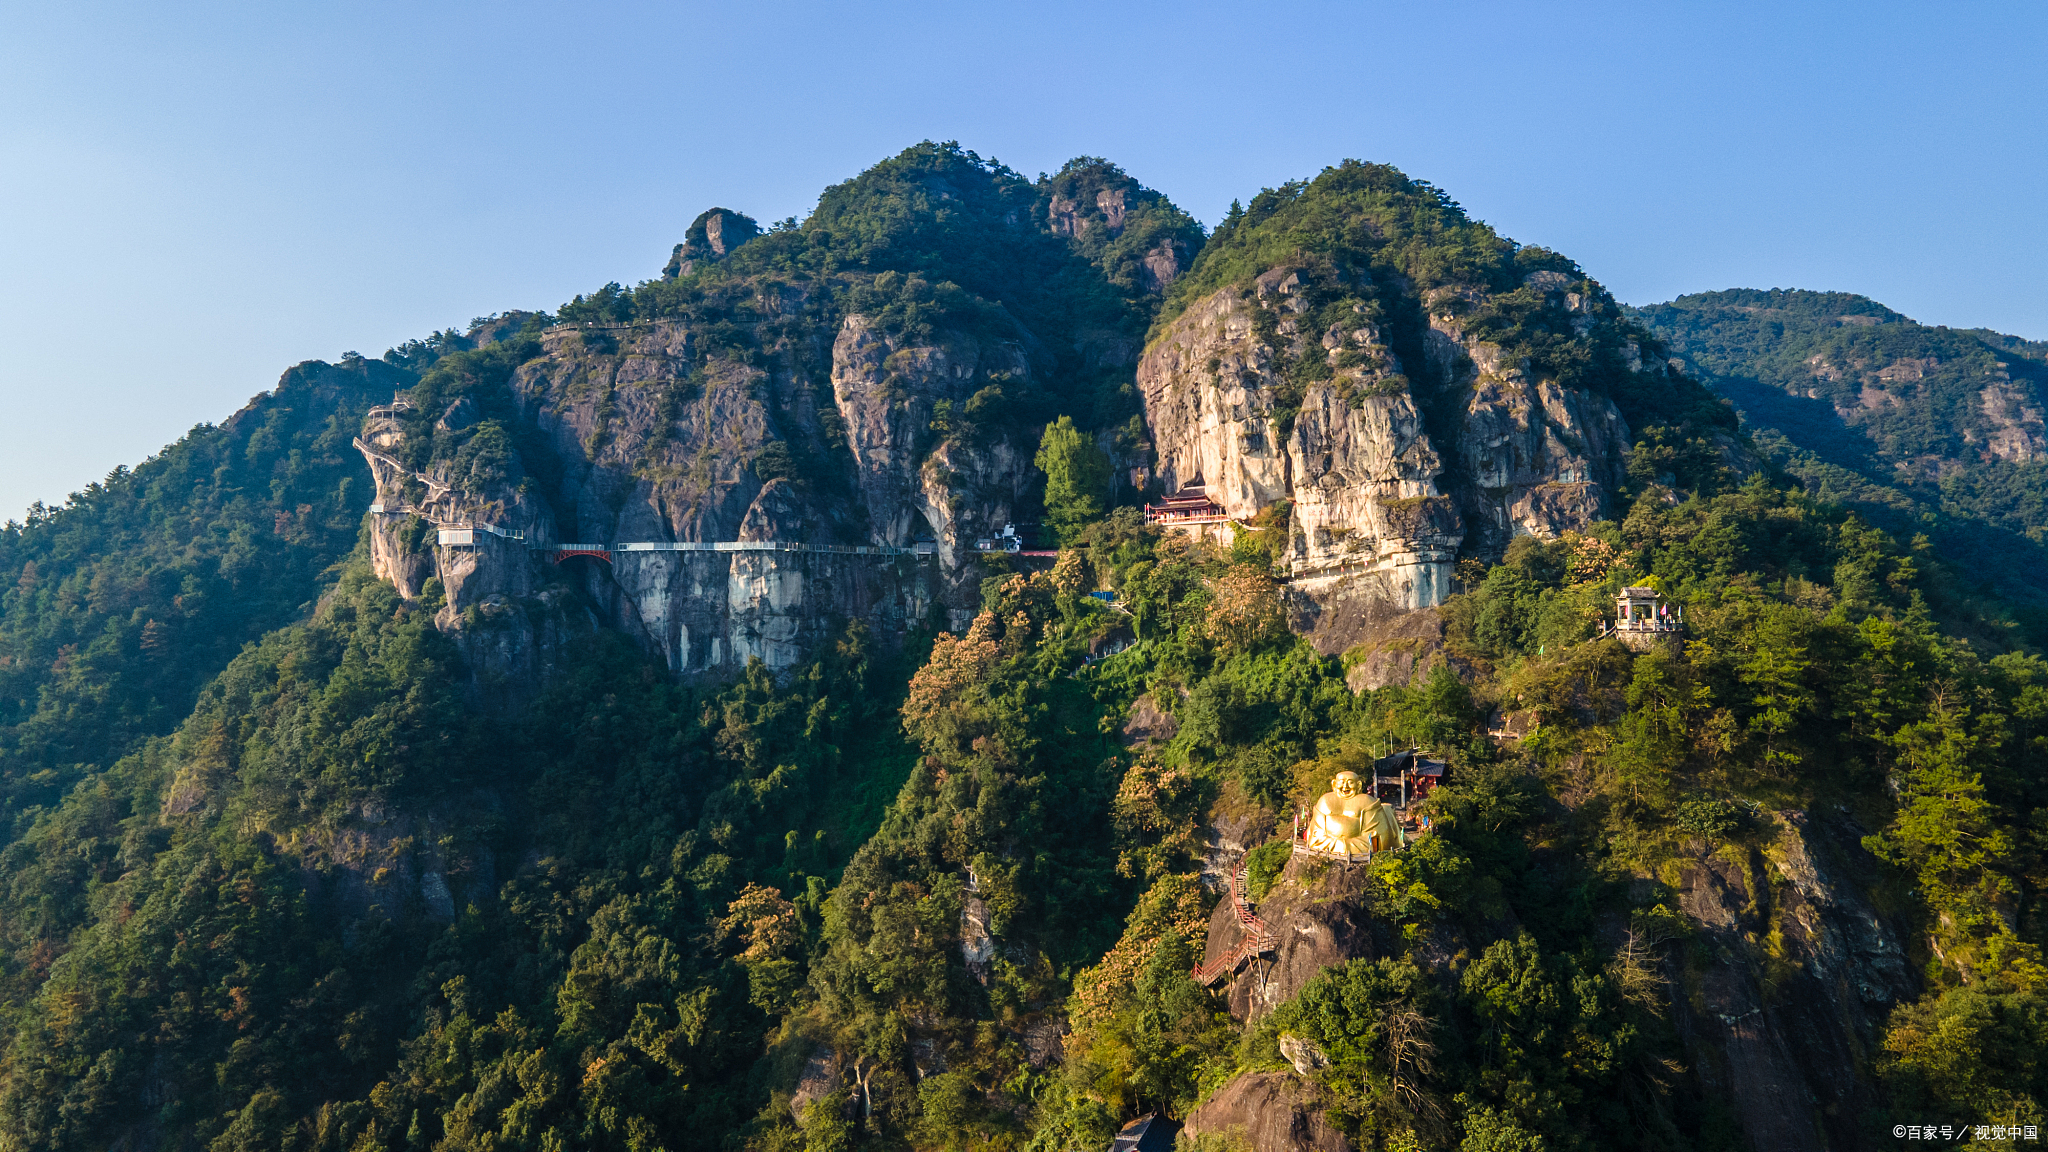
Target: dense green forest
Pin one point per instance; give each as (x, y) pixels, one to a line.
(938, 237)
(1917, 428)
(269, 880)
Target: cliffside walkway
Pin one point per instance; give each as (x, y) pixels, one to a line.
(602, 552)
(1258, 938)
(453, 533)
(434, 487)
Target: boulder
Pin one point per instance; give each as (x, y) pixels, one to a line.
(1317, 912)
(819, 1080)
(1305, 1055)
(1148, 724)
(1270, 1112)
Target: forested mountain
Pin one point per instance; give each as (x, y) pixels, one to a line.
(1921, 429)
(606, 728)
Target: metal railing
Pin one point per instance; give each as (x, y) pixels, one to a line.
(1258, 940)
(765, 546)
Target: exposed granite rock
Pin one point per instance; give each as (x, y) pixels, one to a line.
(1513, 724)
(1792, 1063)
(977, 943)
(643, 441)
(1357, 461)
(1148, 723)
(1271, 1112)
(1382, 644)
(1208, 404)
(1317, 910)
(711, 236)
(1093, 206)
(820, 1080)
(885, 390)
(1382, 502)
(1402, 650)
(1161, 267)
(1236, 825)
(2015, 431)
(1305, 1055)
(1044, 1040)
(1536, 459)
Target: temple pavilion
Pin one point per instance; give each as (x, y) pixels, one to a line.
(1190, 505)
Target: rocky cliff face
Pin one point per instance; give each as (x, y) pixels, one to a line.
(1320, 913)
(1781, 1021)
(1534, 458)
(873, 379)
(624, 436)
(2014, 430)
(912, 483)
(1787, 1039)
(1383, 497)
(1363, 476)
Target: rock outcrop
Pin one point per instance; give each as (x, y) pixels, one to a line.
(1362, 476)
(626, 435)
(1269, 1112)
(1381, 643)
(1140, 241)
(886, 389)
(1535, 458)
(821, 1079)
(1789, 1049)
(1382, 499)
(1317, 913)
(2014, 429)
(1397, 648)
(711, 236)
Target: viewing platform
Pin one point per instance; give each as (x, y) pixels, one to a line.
(1643, 620)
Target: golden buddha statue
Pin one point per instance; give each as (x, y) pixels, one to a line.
(1350, 822)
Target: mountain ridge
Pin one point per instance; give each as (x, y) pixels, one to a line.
(472, 845)
(1922, 429)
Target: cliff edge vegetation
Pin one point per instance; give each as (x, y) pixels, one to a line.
(323, 833)
(1923, 429)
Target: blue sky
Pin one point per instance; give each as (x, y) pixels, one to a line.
(194, 197)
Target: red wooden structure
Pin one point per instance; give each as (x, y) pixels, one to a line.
(1190, 505)
(1258, 939)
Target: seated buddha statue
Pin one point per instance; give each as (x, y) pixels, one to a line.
(1352, 822)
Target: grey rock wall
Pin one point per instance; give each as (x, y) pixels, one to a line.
(627, 435)
(1790, 1050)
(910, 480)
(1382, 505)
(1534, 458)
(1363, 477)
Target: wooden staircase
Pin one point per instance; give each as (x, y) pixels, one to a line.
(1258, 939)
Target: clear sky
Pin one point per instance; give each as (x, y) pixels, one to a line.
(195, 196)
